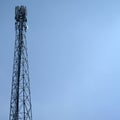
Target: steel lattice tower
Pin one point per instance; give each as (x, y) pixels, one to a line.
(20, 104)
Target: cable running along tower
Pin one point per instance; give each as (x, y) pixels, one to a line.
(20, 104)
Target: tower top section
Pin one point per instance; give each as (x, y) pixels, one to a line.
(20, 13)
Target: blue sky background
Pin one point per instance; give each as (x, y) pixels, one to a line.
(74, 58)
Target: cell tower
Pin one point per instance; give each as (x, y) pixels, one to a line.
(20, 104)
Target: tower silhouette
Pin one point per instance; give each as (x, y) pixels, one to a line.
(20, 104)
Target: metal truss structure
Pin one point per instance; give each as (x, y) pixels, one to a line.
(20, 104)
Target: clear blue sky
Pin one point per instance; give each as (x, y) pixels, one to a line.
(74, 58)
